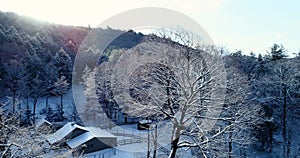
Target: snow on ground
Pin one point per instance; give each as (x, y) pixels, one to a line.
(133, 149)
(127, 135)
(116, 153)
(53, 102)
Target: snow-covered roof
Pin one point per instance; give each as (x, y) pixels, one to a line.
(145, 121)
(99, 133)
(93, 132)
(63, 132)
(41, 122)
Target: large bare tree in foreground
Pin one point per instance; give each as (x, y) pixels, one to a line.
(165, 79)
(187, 85)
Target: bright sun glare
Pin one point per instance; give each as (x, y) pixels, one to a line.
(60, 12)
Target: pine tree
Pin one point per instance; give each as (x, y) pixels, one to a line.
(259, 58)
(277, 52)
(61, 86)
(63, 63)
(35, 82)
(51, 78)
(15, 74)
(252, 54)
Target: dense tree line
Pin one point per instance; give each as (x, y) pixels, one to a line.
(274, 82)
(33, 77)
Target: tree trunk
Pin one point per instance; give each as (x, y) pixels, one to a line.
(155, 142)
(61, 105)
(14, 102)
(20, 111)
(47, 104)
(284, 130)
(125, 117)
(34, 110)
(174, 144)
(27, 110)
(289, 143)
(230, 139)
(174, 148)
(115, 115)
(270, 136)
(148, 143)
(230, 145)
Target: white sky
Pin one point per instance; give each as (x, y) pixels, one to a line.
(237, 24)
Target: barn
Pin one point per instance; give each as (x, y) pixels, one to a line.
(68, 131)
(43, 126)
(94, 140)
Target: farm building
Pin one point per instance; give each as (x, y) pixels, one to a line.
(144, 124)
(92, 138)
(44, 126)
(68, 131)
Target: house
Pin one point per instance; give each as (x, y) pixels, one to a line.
(144, 124)
(43, 126)
(90, 139)
(68, 131)
(94, 139)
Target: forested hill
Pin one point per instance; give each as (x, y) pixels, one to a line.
(20, 34)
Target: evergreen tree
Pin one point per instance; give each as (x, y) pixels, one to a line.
(259, 58)
(51, 78)
(15, 74)
(252, 54)
(277, 52)
(63, 63)
(61, 86)
(35, 82)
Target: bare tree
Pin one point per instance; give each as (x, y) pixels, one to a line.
(104, 92)
(242, 115)
(282, 96)
(92, 110)
(17, 141)
(186, 84)
(177, 82)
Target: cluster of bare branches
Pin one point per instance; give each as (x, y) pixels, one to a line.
(21, 141)
(165, 80)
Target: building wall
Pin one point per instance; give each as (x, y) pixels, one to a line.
(100, 144)
(76, 133)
